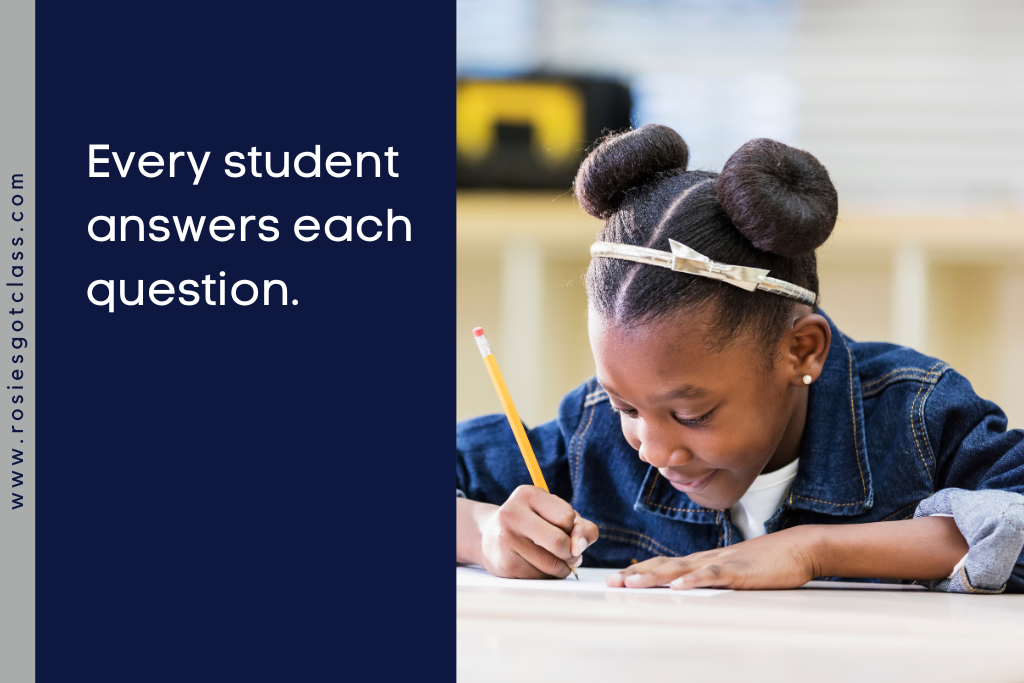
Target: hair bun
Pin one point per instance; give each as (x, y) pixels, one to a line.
(623, 161)
(779, 197)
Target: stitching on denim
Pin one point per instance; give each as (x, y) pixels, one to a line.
(853, 415)
(903, 369)
(892, 372)
(653, 551)
(635, 533)
(669, 507)
(901, 373)
(579, 444)
(965, 580)
(913, 430)
(594, 398)
(827, 502)
(913, 427)
(912, 505)
(639, 544)
(925, 378)
(908, 378)
(642, 536)
(924, 430)
(570, 449)
(1012, 505)
(579, 449)
(888, 374)
(651, 492)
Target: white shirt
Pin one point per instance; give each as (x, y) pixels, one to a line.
(762, 500)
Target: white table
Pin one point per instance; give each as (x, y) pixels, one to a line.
(524, 634)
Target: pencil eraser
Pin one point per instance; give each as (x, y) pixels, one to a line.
(478, 331)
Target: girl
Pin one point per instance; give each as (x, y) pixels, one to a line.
(733, 436)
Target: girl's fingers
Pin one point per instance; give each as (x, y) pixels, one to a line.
(520, 568)
(584, 534)
(618, 580)
(552, 508)
(543, 561)
(547, 537)
(708, 576)
(660, 574)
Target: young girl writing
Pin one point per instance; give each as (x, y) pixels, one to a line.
(733, 436)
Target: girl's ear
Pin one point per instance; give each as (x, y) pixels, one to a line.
(808, 344)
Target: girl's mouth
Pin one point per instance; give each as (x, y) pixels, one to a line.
(691, 485)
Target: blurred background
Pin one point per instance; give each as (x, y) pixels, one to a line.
(916, 109)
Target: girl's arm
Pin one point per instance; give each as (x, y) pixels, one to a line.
(923, 548)
(467, 529)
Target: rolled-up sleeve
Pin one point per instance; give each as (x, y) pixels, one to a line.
(992, 522)
(979, 481)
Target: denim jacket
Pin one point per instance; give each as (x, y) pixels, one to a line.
(887, 428)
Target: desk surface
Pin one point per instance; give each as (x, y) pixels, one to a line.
(800, 635)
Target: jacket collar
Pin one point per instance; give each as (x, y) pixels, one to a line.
(833, 477)
(658, 497)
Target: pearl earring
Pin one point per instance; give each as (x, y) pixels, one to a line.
(807, 379)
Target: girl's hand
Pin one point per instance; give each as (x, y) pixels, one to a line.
(533, 536)
(785, 559)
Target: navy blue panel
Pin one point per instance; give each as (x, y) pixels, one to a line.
(223, 489)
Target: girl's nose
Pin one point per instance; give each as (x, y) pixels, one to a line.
(664, 457)
(660, 452)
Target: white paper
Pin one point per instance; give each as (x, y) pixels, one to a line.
(591, 581)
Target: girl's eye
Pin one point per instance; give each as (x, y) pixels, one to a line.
(696, 422)
(632, 413)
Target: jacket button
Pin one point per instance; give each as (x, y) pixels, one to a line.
(633, 561)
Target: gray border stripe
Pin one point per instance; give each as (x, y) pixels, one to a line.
(17, 157)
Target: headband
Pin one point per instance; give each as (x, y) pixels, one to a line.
(686, 260)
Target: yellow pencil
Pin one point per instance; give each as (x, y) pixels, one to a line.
(513, 417)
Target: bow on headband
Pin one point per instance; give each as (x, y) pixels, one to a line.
(686, 260)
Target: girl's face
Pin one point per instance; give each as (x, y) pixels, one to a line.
(710, 420)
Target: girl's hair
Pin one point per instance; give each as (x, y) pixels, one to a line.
(771, 207)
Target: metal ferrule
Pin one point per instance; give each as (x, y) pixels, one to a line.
(483, 345)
